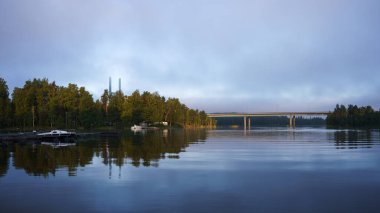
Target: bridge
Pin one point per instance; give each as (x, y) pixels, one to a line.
(247, 116)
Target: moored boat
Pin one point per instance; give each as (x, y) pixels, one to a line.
(56, 134)
(142, 127)
(136, 128)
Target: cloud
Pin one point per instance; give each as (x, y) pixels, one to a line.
(216, 55)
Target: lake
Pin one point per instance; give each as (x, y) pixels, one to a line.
(261, 170)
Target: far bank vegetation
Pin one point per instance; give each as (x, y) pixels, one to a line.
(353, 116)
(48, 105)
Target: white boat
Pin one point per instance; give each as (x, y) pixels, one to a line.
(136, 128)
(142, 127)
(56, 133)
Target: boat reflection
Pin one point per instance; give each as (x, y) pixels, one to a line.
(58, 144)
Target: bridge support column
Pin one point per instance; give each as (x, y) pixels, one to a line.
(249, 123)
(245, 123)
(292, 121)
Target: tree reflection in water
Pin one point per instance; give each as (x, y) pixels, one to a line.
(353, 139)
(4, 159)
(141, 149)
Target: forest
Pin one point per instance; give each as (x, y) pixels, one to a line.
(353, 116)
(42, 104)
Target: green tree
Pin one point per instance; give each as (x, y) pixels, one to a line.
(56, 111)
(115, 108)
(87, 111)
(173, 111)
(104, 100)
(5, 104)
(132, 109)
(153, 107)
(69, 100)
(21, 106)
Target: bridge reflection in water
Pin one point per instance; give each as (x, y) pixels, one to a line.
(247, 116)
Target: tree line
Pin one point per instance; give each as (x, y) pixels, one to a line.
(353, 116)
(43, 104)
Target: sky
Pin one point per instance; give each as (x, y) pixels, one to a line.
(214, 55)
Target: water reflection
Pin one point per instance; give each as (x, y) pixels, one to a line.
(4, 159)
(301, 170)
(147, 149)
(353, 139)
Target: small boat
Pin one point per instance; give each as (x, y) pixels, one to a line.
(143, 127)
(136, 128)
(56, 134)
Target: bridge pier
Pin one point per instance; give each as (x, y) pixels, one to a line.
(292, 121)
(245, 123)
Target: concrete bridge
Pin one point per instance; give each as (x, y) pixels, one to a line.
(247, 116)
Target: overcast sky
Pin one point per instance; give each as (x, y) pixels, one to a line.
(216, 55)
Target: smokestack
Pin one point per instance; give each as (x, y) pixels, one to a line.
(119, 84)
(110, 86)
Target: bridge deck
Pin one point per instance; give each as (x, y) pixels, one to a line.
(262, 114)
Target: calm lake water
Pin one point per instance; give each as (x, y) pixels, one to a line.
(261, 170)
